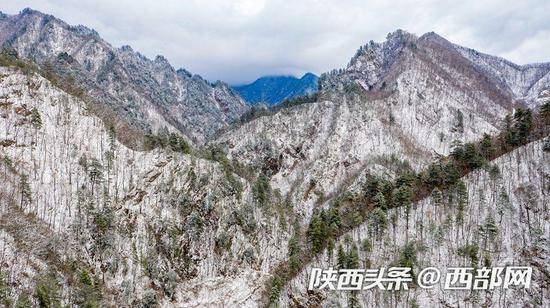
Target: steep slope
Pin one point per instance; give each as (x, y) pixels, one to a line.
(140, 227)
(149, 94)
(529, 83)
(401, 102)
(407, 98)
(505, 221)
(274, 89)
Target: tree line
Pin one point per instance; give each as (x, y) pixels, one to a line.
(378, 195)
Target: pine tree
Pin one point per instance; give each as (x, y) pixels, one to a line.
(353, 258)
(462, 194)
(366, 245)
(486, 146)
(112, 137)
(472, 158)
(261, 190)
(508, 132)
(437, 196)
(342, 258)
(380, 201)
(371, 187)
(523, 119)
(95, 172)
(490, 228)
(317, 233)
(457, 151)
(545, 113)
(353, 302)
(402, 195)
(378, 221)
(451, 174)
(434, 176)
(294, 254)
(407, 257)
(36, 119)
(163, 137)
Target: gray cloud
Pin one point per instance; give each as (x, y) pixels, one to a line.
(237, 41)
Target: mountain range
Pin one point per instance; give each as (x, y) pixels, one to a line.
(147, 94)
(128, 183)
(272, 90)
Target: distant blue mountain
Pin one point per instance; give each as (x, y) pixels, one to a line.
(272, 90)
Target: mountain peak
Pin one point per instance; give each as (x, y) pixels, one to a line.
(29, 11)
(150, 93)
(309, 76)
(400, 35)
(275, 89)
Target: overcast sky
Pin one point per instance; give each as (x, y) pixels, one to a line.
(240, 40)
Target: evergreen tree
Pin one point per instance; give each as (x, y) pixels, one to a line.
(333, 220)
(317, 233)
(262, 190)
(371, 187)
(486, 146)
(380, 201)
(294, 254)
(95, 171)
(462, 199)
(406, 178)
(407, 257)
(112, 137)
(178, 144)
(330, 247)
(353, 258)
(457, 151)
(523, 119)
(23, 300)
(378, 221)
(451, 174)
(434, 175)
(545, 113)
(471, 157)
(508, 132)
(4, 291)
(36, 119)
(353, 302)
(437, 196)
(163, 137)
(342, 258)
(366, 245)
(489, 228)
(402, 196)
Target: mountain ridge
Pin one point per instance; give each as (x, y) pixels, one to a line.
(148, 94)
(274, 89)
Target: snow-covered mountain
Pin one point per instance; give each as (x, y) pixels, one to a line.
(148, 94)
(272, 90)
(87, 220)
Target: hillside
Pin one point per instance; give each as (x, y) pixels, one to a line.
(503, 224)
(215, 211)
(147, 94)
